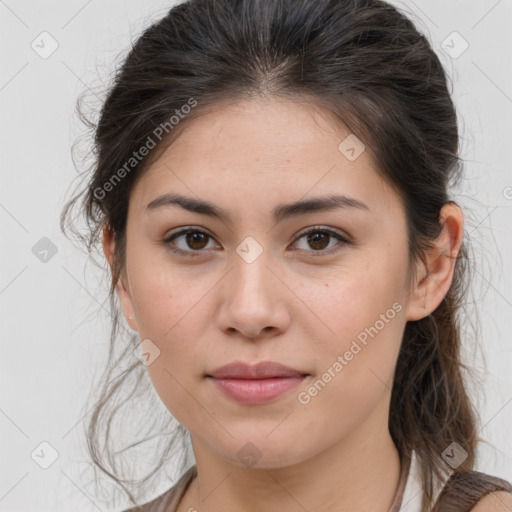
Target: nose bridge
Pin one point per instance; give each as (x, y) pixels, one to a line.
(251, 271)
(251, 300)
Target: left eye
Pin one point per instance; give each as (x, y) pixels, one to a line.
(196, 240)
(319, 239)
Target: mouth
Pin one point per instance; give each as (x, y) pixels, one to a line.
(261, 370)
(255, 384)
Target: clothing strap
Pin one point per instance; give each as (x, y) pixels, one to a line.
(399, 493)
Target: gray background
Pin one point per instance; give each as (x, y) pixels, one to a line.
(54, 325)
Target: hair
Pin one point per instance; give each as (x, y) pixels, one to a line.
(365, 61)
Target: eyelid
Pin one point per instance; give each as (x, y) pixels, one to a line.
(318, 227)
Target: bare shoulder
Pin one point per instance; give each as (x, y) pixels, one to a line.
(499, 501)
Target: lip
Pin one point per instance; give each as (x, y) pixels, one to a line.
(255, 384)
(261, 370)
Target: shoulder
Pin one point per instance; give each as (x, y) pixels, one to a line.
(474, 491)
(500, 501)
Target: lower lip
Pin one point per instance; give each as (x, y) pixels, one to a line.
(256, 391)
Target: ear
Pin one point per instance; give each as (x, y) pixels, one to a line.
(434, 281)
(123, 291)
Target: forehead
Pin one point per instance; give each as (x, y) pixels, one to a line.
(264, 150)
(260, 130)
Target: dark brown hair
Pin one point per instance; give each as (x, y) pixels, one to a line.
(367, 63)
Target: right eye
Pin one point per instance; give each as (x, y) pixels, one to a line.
(193, 241)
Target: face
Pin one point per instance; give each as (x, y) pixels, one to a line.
(322, 291)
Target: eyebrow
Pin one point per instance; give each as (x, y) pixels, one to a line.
(279, 213)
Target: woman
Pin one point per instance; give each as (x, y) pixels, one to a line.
(272, 193)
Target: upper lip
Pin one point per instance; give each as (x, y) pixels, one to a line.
(261, 370)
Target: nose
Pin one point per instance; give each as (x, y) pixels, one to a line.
(253, 300)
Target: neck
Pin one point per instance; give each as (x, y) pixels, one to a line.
(359, 472)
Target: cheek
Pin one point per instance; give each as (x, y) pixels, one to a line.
(169, 318)
(170, 306)
(366, 317)
(356, 365)
(167, 300)
(356, 300)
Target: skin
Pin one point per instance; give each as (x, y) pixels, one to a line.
(298, 307)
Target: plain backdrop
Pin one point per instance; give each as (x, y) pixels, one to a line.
(54, 324)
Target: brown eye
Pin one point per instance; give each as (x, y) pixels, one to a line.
(318, 240)
(196, 239)
(191, 241)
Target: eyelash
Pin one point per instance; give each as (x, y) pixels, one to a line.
(316, 229)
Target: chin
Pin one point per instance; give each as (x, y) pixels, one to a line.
(258, 451)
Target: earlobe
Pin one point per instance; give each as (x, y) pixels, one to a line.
(436, 274)
(123, 292)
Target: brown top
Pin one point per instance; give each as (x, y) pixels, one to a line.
(460, 493)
